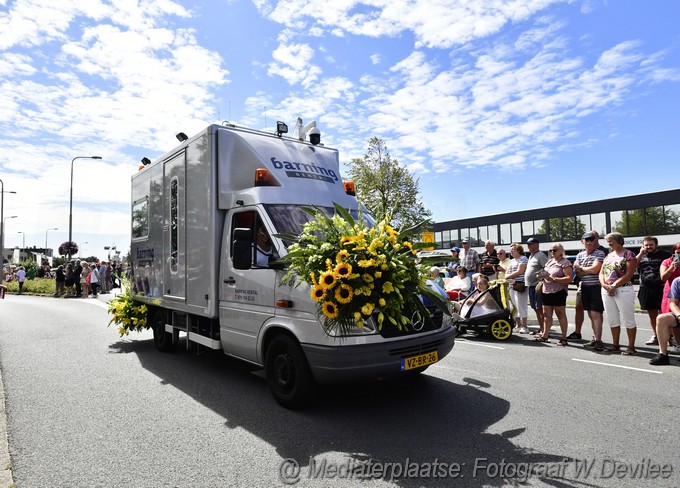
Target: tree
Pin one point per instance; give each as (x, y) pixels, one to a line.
(386, 188)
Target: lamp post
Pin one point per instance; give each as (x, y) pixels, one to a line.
(2, 229)
(70, 204)
(23, 235)
(53, 228)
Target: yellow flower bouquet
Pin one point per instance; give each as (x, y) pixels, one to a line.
(128, 314)
(359, 272)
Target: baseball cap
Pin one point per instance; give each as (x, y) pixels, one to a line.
(465, 240)
(532, 240)
(455, 249)
(588, 235)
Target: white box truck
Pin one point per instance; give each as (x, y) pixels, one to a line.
(195, 215)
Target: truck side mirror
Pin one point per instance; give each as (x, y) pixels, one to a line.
(243, 248)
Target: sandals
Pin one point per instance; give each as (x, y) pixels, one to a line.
(541, 339)
(612, 349)
(563, 343)
(629, 352)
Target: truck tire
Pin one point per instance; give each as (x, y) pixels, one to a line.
(288, 375)
(161, 338)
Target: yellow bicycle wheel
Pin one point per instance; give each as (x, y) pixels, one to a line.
(501, 330)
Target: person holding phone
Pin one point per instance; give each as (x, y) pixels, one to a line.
(650, 293)
(670, 269)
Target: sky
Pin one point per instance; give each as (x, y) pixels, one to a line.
(494, 106)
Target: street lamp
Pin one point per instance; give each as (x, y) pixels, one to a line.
(70, 204)
(23, 235)
(2, 228)
(53, 228)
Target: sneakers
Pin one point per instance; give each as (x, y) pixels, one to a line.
(574, 335)
(523, 330)
(674, 349)
(596, 345)
(653, 341)
(660, 360)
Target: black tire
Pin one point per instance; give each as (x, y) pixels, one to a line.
(161, 338)
(288, 375)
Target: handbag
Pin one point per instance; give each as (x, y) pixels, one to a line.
(539, 287)
(519, 286)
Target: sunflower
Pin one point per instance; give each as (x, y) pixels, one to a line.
(318, 293)
(327, 280)
(342, 256)
(344, 294)
(329, 310)
(343, 270)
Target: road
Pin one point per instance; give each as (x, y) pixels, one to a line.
(88, 409)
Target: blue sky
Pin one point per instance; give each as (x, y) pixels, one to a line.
(494, 105)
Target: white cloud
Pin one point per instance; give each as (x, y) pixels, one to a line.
(293, 63)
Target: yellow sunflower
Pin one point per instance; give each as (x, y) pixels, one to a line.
(343, 270)
(342, 256)
(318, 293)
(329, 310)
(344, 294)
(367, 309)
(327, 280)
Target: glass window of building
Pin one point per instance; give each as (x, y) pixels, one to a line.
(556, 232)
(636, 222)
(493, 233)
(506, 236)
(569, 228)
(598, 223)
(672, 218)
(583, 224)
(528, 228)
(516, 232)
(483, 234)
(654, 221)
(618, 222)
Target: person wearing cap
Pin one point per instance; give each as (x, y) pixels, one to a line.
(650, 293)
(469, 258)
(535, 264)
(587, 266)
(452, 266)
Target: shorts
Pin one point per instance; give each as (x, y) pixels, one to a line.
(592, 298)
(650, 297)
(558, 299)
(535, 299)
(619, 310)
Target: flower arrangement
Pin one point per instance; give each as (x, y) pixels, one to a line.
(68, 248)
(357, 271)
(128, 314)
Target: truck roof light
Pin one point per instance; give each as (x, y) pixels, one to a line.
(262, 177)
(350, 188)
(181, 136)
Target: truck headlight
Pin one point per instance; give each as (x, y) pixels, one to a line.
(369, 327)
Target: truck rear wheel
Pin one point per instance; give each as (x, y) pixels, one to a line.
(288, 374)
(161, 338)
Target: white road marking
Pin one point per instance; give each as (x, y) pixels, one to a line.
(465, 341)
(618, 366)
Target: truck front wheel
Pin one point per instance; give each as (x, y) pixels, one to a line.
(161, 338)
(288, 374)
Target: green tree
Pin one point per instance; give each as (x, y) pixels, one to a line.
(647, 221)
(386, 188)
(563, 229)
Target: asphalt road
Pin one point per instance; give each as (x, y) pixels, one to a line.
(88, 409)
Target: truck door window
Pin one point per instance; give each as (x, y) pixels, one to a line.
(174, 227)
(140, 219)
(263, 251)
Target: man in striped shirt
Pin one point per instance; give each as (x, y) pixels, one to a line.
(587, 267)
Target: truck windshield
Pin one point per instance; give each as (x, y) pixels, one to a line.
(291, 218)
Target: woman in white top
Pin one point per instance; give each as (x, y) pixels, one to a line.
(518, 291)
(457, 287)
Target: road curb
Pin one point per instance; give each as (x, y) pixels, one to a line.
(6, 478)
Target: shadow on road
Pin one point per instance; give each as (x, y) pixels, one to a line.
(417, 420)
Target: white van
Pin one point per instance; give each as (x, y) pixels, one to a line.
(197, 212)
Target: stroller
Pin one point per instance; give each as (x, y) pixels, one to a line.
(490, 311)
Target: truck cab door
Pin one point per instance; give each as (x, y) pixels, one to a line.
(248, 286)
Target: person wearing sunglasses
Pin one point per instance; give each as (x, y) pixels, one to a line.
(587, 266)
(556, 276)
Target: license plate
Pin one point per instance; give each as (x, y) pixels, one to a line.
(419, 361)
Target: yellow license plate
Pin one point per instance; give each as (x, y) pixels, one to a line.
(419, 361)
